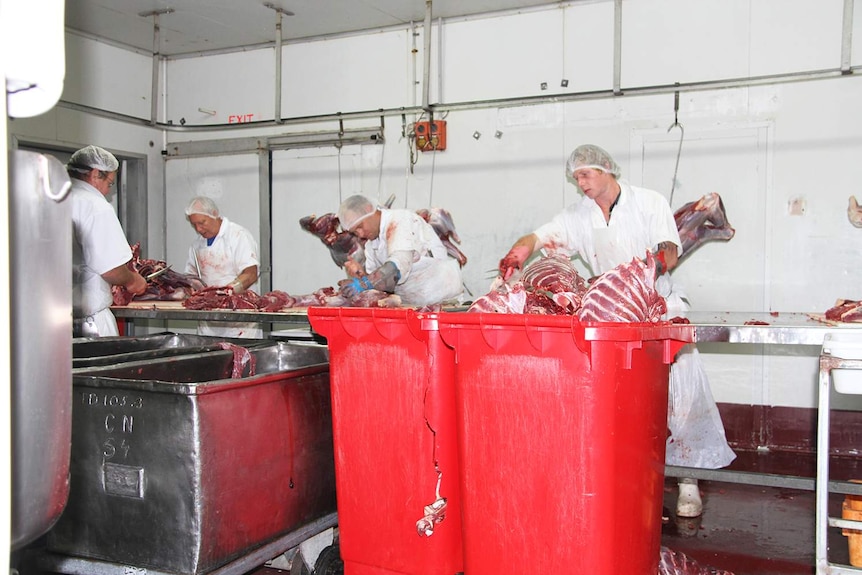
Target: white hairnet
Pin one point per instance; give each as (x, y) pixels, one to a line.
(353, 210)
(591, 156)
(93, 158)
(202, 205)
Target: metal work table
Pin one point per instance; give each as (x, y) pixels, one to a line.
(763, 327)
(297, 318)
(730, 327)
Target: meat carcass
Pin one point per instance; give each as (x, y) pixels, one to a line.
(342, 245)
(331, 297)
(845, 310)
(223, 297)
(555, 277)
(625, 294)
(241, 357)
(169, 286)
(549, 285)
(702, 221)
(444, 226)
(677, 563)
(502, 298)
(854, 212)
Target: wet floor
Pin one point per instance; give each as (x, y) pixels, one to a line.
(753, 530)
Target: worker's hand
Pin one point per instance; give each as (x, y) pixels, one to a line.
(514, 260)
(352, 288)
(137, 285)
(665, 258)
(353, 268)
(660, 263)
(237, 286)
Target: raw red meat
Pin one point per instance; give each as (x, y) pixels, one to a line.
(444, 226)
(342, 245)
(625, 294)
(225, 298)
(330, 297)
(501, 299)
(241, 358)
(845, 310)
(550, 285)
(702, 221)
(556, 278)
(170, 286)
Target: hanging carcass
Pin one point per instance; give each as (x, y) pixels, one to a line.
(702, 221)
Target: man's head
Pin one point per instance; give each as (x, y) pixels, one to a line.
(593, 169)
(94, 165)
(202, 213)
(359, 217)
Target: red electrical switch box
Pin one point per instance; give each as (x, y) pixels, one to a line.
(430, 136)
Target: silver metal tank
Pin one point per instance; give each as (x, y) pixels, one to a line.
(41, 320)
(98, 351)
(180, 467)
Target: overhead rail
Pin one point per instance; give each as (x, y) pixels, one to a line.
(752, 81)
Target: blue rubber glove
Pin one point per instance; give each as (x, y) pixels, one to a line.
(383, 278)
(355, 287)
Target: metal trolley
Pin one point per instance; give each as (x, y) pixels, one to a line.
(829, 361)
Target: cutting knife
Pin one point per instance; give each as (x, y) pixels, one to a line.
(198, 267)
(154, 275)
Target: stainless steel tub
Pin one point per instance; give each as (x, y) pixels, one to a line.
(98, 351)
(180, 468)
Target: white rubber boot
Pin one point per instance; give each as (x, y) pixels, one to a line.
(689, 503)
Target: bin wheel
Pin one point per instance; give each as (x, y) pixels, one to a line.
(329, 562)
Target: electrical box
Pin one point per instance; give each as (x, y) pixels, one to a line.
(430, 136)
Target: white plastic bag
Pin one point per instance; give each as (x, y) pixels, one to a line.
(696, 432)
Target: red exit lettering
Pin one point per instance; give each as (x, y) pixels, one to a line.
(241, 119)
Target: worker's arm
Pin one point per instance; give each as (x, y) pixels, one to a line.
(245, 279)
(521, 250)
(122, 275)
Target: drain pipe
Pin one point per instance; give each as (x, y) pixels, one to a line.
(278, 42)
(426, 73)
(154, 96)
(278, 67)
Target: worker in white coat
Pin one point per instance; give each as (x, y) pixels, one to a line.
(614, 223)
(224, 254)
(403, 255)
(100, 250)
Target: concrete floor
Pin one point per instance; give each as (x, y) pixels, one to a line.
(754, 530)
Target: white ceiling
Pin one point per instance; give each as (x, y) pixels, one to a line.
(197, 26)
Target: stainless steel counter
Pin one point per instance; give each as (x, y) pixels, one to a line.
(298, 316)
(731, 327)
(769, 328)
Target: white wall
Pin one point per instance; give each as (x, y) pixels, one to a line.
(116, 80)
(759, 147)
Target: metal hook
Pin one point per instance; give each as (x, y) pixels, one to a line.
(676, 124)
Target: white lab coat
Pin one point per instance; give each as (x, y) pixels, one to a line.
(232, 250)
(428, 275)
(640, 221)
(98, 246)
